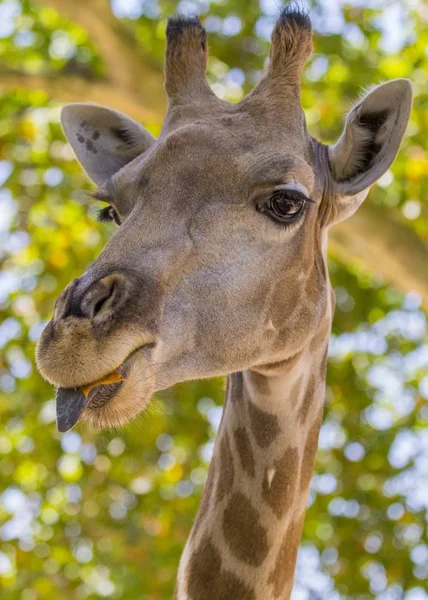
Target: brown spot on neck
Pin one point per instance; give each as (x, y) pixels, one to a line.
(243, 532)
(320, 341)
(206, 497)
(265, 426)
(323, 368)
(260, 382)
(207, 580)
(282, 576)
(226, 471)
(309, 452)
(235, 387)
(307, 400)
(245, 453)
(279, 491)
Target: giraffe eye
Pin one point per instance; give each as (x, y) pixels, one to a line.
(284, 206)
(108, 214)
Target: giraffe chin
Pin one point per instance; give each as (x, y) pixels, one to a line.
(116, 404)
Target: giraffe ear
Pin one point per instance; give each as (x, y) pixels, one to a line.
(370, 141)
(103, 139)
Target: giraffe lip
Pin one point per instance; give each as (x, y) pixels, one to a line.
(100, 395)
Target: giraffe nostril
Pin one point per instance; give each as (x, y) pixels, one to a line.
(105, 296)
(98, 306)
(101, 298)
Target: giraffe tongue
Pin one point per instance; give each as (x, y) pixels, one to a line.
(70, 404)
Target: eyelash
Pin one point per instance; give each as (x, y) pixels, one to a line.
(108, 215)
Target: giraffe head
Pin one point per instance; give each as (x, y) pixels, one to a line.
(218, 262)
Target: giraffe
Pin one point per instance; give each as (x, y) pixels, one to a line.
(218, 267)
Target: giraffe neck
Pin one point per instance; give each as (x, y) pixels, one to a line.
(244, 542)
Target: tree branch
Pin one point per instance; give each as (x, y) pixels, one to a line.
(377, 238)
(72, 88)
(112, 38)
(128, 69)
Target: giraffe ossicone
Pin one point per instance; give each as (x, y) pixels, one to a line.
(218, 267)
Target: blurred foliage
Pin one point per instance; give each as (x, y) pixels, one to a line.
(90, 515)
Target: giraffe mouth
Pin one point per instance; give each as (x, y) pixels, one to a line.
(72, 402)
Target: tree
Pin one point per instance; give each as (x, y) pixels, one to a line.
(89, 515)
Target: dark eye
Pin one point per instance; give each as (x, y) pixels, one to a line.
(105, 215)
(284, 206)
